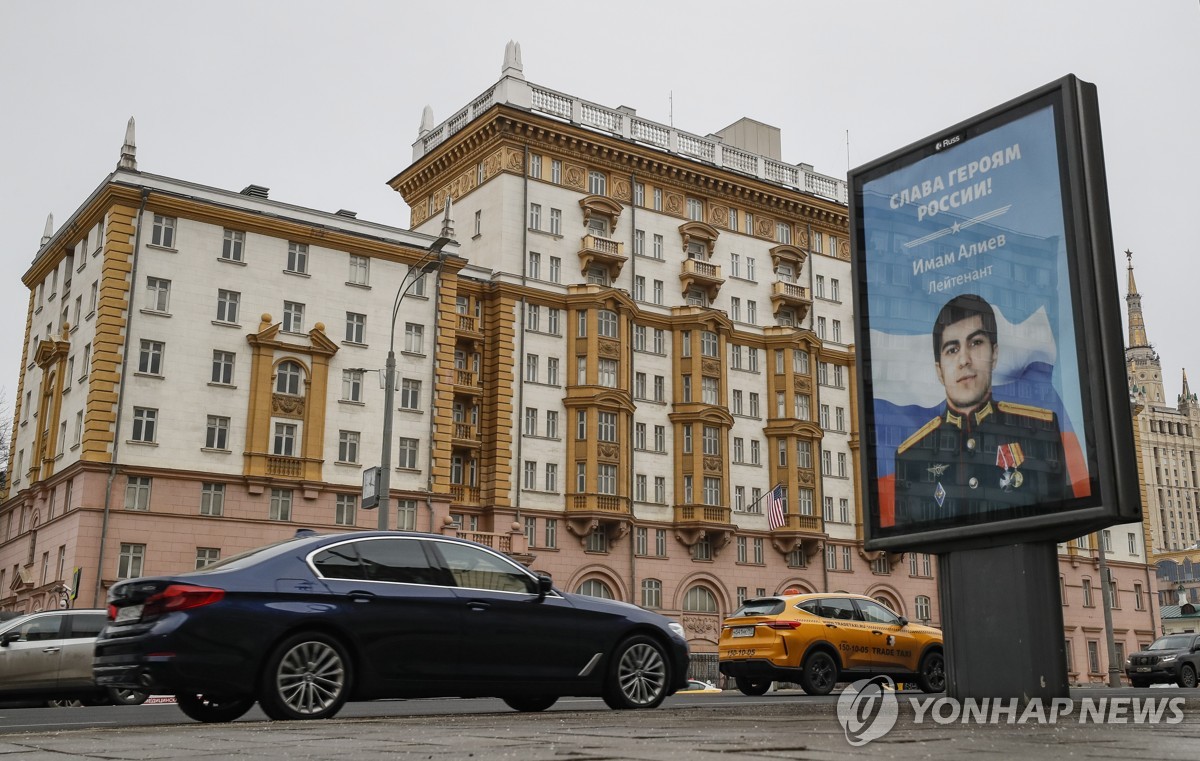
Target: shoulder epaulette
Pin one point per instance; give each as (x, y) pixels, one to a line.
(1026, 410)
(925, 430)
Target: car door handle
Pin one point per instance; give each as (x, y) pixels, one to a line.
(832, 626)
(360, 596)
(476, 605)
(51, 649)
(876, 631)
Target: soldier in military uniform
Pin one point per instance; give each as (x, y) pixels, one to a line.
(979, 455)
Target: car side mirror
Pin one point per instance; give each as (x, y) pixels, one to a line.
(544, 585)
(903, 621)
(9, 637)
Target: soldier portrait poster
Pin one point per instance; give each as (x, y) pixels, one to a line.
(973, 382)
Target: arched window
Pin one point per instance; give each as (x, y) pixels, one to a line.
(651, 593)
(287, 379)
(595, 588)
(699, 600)
(889, 603)
(923, 608)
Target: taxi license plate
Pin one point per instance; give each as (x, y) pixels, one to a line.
(129, 613)
(1143, 668)
(743, 631)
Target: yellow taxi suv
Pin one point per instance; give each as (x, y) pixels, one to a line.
(819, 640)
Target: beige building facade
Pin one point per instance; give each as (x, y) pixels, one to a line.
(641, 337)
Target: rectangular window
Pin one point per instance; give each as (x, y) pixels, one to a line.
(222, 367)
(163, 234)
(531, 418)
(129, 562)
(406, 453)
(352, 385)
(348, 446)
(344, 509)
(145, 422)
(158, 294)
(284, 442)
(149, 357)
(555, 225)
(754, 412)
(212, 499)
(356, 327)
(293, 317)
(410, 394)
(597, 183)
(551, 477)
(556, 178)
(137, 493)
(281, 505)
(297, 257)
(755, 452)
(555, 277)
(535, 171)
(414, 338)
(551, 533)
(530, 474)
(551, 424)
(531, 368)
(660, 438)
(535, 216)
(227, 305)
(657, 251)
(360, 270)
(531, 532)
(640, 493)
(217, 433)
(737, 402)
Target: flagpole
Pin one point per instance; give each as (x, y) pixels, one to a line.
(761, 497)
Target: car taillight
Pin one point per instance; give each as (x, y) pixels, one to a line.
(180, 597)
(112, 612)
(782, 624)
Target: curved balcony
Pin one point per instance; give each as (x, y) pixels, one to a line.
(791, 295)
(701, 274)
(602, 251)
(807, 531)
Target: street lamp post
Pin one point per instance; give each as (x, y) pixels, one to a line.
(431, 261)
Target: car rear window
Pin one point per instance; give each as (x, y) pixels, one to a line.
(765, 607)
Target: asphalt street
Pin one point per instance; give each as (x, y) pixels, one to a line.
(725, 726)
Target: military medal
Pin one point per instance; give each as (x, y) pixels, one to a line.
(1010, 457)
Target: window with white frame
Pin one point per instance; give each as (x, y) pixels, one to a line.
(414, 338)
(535, 216)
(145, 424)
(284, 440)
(344, 509)
(352, 385)
(360, 269)
(162, 232)
(297, 258)
(281, 505)
(406, 451)
(150, 357)
(227, 305)
(158, 294)
(597, 183)
(356, 328)
(348, 446)
(130, 561)
(410, 394)
(222, 367)
(293, 317)
(137, 493)
(216, 434)
(212, 499)
(555, 225)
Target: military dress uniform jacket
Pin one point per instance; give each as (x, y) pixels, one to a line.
(966, 466)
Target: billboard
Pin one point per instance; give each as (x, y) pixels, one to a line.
(993, 397)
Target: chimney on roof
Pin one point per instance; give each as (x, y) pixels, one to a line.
(426, 120)
(346, 213)
(256, 191)
(128, 150)
(512, 61)
(49, 231)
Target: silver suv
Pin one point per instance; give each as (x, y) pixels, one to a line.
(48, 656)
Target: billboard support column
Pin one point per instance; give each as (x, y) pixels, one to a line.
(1002, 621)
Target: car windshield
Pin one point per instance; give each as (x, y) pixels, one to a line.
(1178, 642)
(765, 607)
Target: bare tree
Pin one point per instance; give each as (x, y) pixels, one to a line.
(5, 433)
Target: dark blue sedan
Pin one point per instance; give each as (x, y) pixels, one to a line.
(304, 625)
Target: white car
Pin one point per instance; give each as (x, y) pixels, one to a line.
(48, 657)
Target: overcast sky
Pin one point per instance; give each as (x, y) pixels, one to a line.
(321, 101)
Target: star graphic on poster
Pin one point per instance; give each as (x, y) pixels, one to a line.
(955, 228)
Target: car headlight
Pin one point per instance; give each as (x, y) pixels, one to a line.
(1167, 658)
(677, 629)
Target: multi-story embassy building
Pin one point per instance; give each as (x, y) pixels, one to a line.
(643, 332)
(1169, 441)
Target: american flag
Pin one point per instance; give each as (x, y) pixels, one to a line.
(775, 508)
